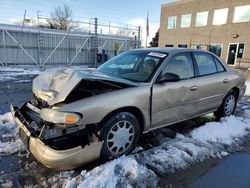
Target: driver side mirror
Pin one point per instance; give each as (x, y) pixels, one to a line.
(168, 77)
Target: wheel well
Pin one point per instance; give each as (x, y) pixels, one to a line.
(236, 90)
(133, 110)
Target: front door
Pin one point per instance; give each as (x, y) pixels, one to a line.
(175, 101)
(232, 51)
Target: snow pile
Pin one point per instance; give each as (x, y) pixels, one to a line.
(223, 132)
(121, 172)
(7, 126)
(209, 141)
(9, 141)
(176, 154)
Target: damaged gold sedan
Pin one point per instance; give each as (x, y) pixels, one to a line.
(77, 116)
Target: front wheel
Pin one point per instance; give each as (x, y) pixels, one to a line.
(228, 105)
(120, 135)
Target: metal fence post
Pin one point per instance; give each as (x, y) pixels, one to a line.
(4, 45)
(39, 48)
(95, 44)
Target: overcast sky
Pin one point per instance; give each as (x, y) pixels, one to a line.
(133, 12)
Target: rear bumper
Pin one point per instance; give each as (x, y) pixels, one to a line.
(57, 159)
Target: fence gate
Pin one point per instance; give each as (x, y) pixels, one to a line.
(46, 47)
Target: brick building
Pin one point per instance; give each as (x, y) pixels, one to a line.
(221, 26)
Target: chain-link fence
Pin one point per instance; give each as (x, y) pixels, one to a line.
(22, 45)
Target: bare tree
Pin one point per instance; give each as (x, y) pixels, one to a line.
(61, 19)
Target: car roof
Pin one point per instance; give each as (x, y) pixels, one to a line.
(170, 50)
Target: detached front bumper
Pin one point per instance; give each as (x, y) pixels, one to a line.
(57, 159)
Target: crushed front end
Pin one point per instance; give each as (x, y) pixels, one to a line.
(56, 139)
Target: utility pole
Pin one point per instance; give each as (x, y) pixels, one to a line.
(109, 28)
(37, 17)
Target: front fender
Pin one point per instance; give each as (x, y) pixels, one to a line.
(94, 109)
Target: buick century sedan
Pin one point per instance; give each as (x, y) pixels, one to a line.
(76, 115)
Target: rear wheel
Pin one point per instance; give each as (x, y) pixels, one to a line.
(120, 135)
(228, 105)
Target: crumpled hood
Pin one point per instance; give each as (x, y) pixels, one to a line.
(63, 80)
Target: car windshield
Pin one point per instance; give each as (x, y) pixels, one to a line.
(138, 66)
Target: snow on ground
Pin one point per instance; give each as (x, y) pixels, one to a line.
(222, 132)
(10, 73)
(9, 141)
(121, 172)
(210, 140)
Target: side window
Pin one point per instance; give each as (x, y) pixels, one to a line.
(205, 63)
(220, 67)
(181, 65)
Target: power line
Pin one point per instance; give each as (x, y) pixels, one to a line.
(77, 9)
(33, 14)
(90, 8)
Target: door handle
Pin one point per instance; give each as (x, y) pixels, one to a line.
(193, 88)
(225, 81)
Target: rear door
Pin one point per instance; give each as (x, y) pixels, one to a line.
(175, 101)
(212, 81)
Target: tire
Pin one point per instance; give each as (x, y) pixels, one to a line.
(120, 135)
(228, 105)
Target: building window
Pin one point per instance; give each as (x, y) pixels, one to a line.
(215, 48)
(169, 45)
(186, 20)
(220, 16)
(241, 14)
(199, 46)
(172, 22)
(182, 45)
(201, 18)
